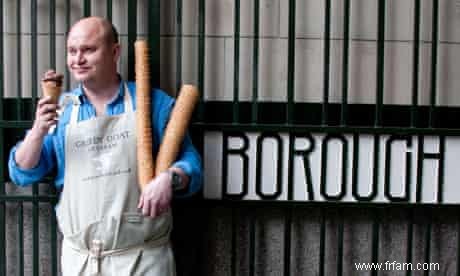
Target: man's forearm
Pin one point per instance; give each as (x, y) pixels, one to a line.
(28, 153)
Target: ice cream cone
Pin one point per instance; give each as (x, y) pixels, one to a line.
(52, 89)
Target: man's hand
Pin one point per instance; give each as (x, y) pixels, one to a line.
(51, 75)
(156, 197)
(45, 117)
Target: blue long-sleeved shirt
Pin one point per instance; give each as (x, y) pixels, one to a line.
(53, 151)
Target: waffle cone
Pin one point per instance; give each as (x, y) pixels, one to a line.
(51, 89)
(177, 127)
(145, 162)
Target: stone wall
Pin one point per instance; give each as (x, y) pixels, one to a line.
(273, 42)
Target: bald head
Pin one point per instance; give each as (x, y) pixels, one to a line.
(93, 52)
(98, 26)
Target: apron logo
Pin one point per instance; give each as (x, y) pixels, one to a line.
(102, 162)
(98, 143)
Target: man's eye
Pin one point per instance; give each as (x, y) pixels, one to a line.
(72, 51)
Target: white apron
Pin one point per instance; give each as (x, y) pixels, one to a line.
(104, 232)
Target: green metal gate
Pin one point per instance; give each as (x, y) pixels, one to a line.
(241, 222)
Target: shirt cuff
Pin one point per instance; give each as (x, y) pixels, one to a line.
(22, 176)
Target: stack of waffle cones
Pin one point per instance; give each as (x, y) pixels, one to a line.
(175, 130)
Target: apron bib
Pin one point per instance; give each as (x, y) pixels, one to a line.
(104, 233)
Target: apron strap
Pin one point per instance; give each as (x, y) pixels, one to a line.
(127, 100)
(95, 254)
(96, 251)
(74, 114)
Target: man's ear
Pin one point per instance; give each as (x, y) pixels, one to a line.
(116, 52)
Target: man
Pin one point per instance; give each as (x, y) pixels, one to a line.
(109, 227)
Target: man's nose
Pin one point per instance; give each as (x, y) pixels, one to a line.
(80, 58)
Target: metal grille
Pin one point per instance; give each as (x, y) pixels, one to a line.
(232, 117)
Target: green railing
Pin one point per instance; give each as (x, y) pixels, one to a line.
(236, 117)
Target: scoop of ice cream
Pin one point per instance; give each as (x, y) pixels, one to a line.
(51, 86)
(55, 80)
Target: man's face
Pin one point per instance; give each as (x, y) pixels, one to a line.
(89, 55)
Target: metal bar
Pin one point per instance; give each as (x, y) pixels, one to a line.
(441, 170)
(340, 230)
(290, 195)
(410, 237)
(28, 198)
(53, 34)
(19, 110)
(53, 199)
(2, 72)
(234, 241)
(427, 257)
(291, 63)
(299, 128)
(236, 72)
(132, 35)
(15, 124)
(345, 57)
(53, 238)
(380, 62)
(21, 238)
(178, 44)
(283, 127)
(87, 8)
(2, 153)
(109, 11)
(154, 41)
(34, 57)
(255, 65)
(420, 164)
(322, 243)
(35, 232)
(415, 64)
(2, 208)
(375, 239)
(327, 62)
(287, 241)
(375, 171)
(434, 63)
(252, 242)
(201, 53)
(67, 23)
(458, 246)
(229, 202)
